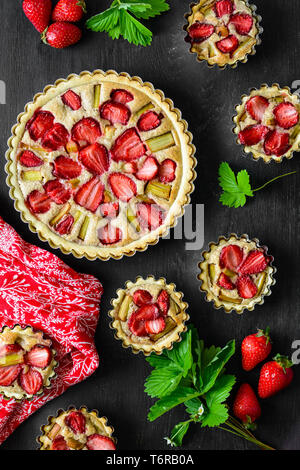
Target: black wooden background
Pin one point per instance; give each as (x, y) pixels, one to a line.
(207, 98)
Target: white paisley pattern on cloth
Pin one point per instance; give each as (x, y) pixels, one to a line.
(38, 289)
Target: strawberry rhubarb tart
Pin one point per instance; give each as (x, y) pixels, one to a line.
(267, 123)
(148, 315)
(236, 273)
(26, 363)
(77, 429)
(101, 164)
(223, 32)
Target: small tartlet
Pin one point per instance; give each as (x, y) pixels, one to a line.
(204, 12)
(27, 363)
(214, 274)
(63, 431)
(164, 301)
(268, 109)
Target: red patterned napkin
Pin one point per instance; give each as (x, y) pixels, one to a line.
(38, 289)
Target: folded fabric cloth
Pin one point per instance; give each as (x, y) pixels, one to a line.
(39, 290)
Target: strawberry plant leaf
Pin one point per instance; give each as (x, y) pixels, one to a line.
(162, 381)
(221, 389)
(156, 8)
(216, 414)
(235, 188)
(177, 434)
(175, 398)
(216, 365)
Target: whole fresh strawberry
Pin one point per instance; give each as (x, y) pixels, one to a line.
(61, 34)
(274, 376)
(38, 12)
(246, 406)
(69, 10)
(255, 349)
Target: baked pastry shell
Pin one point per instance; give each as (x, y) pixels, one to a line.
(182, 197)
(158, 346)
(258, 19)
(50, 378)
(240, 108)
(51, 420)
(203, 276)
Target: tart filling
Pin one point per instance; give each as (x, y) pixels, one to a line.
(222, 31)
(267, 123)
(149, 315)
(236, 273)
(26, 363)
(77, 429)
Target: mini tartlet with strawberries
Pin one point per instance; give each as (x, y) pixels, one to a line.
(223, 32)
(77, 429)
(267, 123)
(148, 315)
(236, 273)
(26, 363)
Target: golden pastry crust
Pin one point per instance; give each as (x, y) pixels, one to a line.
(208, 279)
(182, 152)
(175, 320)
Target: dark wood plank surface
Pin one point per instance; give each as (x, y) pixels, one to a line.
(207, 98)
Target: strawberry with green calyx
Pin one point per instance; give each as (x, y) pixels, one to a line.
(69, 10)
(275, 376)
(61, 34)
(255, 349)
(246, 406)
(38, 12)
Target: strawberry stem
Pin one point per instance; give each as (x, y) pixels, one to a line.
(239, 430)
(274, 179)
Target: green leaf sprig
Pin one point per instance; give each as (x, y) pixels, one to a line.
(236, 188)
(193, 375)
(121, 19)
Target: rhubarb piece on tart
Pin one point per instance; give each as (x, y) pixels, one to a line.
(77, 429)
(267, 123)
(97, 139)
(236, 273)
(148, 315)
(26, 363)
(223, 32)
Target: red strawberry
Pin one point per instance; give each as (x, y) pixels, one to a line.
(130, 167)
(148, 121)
(136, 325)
(128, 146)
(61, 34)
(243, 23)
(98, 442)
(110, 209)
(109, 235)
(246, 287)
(121, 96)
(38, 202)
(256, 106)
(151, 216)
(225, 282)
(69, 10)
(198, 32)
(59, 443)
(71, 99)
(286, 115)
(90, 194)
(123, 187)
(65, 225)
(149, 169)
(95, 158)
(255, 349)
(277, 143)
(223, 7)
(142, 297)
(7, 349)
(38, 12)
(55, 138)
(166, 172)
(154, 327)
(86, 131)
(9, 374)
(136, 322)
(30, 160)
(163, 301)
(256, 262)
(253, 134)
(39, 356)
(57, 191)
(231, 257)
(76, 421)
(115, 112)
(39, 124)
(65, 167)
(246, 406)
(31, 381)
(274, 376)
(228, 44)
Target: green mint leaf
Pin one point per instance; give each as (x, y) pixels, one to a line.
(177, 434)
(162, 381)
(221, 389)
(156, 8)
(105, 21)
(178, 396)
(181, 354)
(235, 189)
(195, 408)
(215, 367)
(134, 31)
(216, 414)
